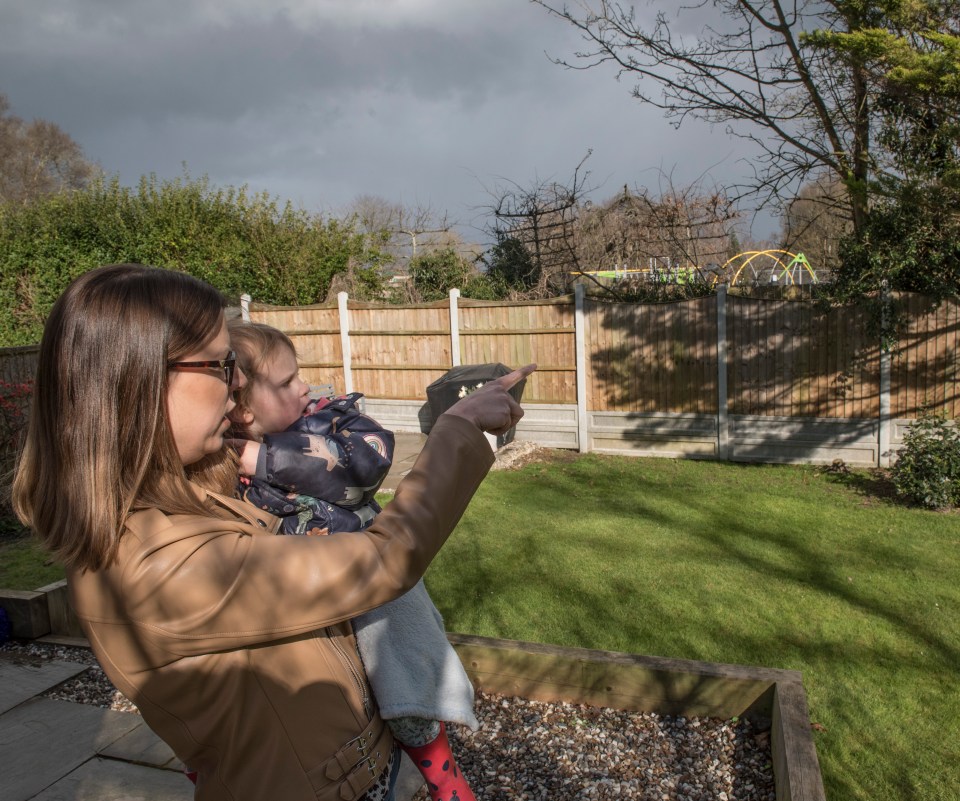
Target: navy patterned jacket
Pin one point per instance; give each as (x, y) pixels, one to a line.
(321, 474)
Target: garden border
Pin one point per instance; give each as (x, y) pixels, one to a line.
(661, 685)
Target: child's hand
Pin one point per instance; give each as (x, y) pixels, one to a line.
(249, 452)
(491, 408)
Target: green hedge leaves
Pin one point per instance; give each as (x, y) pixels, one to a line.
(238, 241)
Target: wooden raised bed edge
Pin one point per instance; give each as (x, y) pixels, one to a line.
(40, 613)
(575, 675)
(659, 685)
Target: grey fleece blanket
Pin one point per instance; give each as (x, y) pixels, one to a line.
(413, 669)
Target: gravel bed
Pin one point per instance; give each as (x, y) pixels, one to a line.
(90, 687)
(534, 751)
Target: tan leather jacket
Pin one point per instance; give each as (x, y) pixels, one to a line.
(236, 645)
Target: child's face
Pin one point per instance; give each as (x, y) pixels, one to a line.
(277, 395)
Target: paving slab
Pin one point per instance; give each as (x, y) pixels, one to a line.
(407, 447)
(44, 740)
(142, 746)
(409, 779)
(109, 780)
(21, 678)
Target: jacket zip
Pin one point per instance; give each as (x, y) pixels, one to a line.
(359, 684)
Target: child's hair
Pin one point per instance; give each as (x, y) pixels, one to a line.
(99, 442)
(255, 344)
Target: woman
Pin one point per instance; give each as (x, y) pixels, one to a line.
(235, 644)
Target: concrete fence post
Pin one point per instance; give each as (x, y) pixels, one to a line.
(454, 328)
(245, 307)
(723, 425)
(883, 424)
(583, 444)
(342, 299)
(883, 445)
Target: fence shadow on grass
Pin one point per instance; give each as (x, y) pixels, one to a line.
(758, 543)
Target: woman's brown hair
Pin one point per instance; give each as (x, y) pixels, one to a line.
(99, 443)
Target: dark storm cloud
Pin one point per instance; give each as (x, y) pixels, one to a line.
(419, 101)
(140, 65)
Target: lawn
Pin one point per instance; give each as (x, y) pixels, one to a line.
(774, 566)
(23, 564)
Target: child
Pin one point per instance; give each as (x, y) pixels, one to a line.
(318, 466)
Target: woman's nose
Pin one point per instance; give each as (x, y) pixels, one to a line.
(239, 379)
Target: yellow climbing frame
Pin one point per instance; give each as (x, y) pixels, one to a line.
(789, 262)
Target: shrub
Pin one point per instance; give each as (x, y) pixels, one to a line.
(14, 404)
(927, 471)
(239, 242)
(435, 273)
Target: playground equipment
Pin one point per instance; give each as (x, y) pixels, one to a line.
(661, 275)
(771, 266)
(767, 266)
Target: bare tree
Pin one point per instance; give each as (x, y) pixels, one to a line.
(687, 229)
(805, 107)
(403, 232)
(815, 223)
(374, 214)
(542, 218)
(37, 158)
(424, 227)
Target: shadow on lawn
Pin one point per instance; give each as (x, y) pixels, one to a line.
(874, 484)
(797, 563)
(618, 610)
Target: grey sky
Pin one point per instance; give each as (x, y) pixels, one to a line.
(319, 101)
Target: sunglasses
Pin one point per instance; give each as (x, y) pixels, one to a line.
(228, 365)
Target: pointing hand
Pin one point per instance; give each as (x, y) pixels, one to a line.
(491, 408)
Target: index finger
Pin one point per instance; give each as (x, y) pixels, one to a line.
(510, 379)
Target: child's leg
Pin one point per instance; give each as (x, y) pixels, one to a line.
(425, 742)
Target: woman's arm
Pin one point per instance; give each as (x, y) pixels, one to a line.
(209, 588)
(227, 589)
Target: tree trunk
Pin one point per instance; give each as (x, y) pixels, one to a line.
(857, 183)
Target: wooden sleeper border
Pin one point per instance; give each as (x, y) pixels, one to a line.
(663, 686)
(574, 675)
(40, 613)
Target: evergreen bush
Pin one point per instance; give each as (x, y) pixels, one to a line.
(927, 471)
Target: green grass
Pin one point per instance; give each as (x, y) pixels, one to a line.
(773, 566)
(23, 563)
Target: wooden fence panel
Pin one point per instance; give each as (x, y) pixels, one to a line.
(516, 334)
(925, 365)
(315, 331)
(607, 352)
(652, 357)
(787, 358)
(398, 351)
(18, 365)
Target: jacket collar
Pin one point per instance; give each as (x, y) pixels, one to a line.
(246, 511)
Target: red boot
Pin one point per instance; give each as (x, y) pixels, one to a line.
(435, 762)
